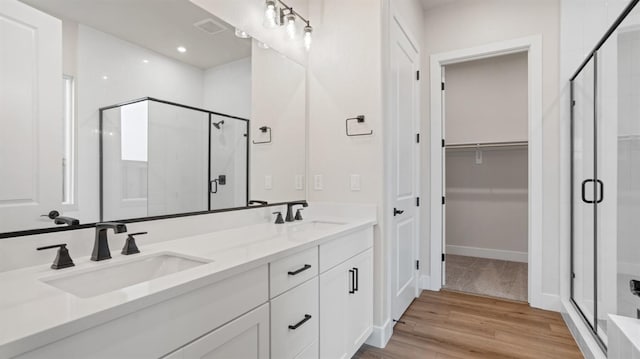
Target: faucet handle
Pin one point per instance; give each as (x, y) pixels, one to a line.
(130, 246)
(279, 219)
(299, 214)
(63, 259)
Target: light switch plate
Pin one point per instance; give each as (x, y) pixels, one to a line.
(317, 183)
(299, 182)
(355, 182)
(268, 182)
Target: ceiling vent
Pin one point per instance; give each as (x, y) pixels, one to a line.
(210, 26)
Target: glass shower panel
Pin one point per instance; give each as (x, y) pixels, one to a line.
(229, 165)
(178, 161)
(628, 206)
(583, 281)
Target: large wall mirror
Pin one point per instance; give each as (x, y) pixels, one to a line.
(119, 110)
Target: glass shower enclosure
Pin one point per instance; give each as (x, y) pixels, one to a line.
(159, 158)
(605, 177)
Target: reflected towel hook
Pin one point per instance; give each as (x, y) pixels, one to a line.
(358, 119)
(264, 129)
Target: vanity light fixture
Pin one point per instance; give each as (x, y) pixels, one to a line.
(307, 37)
(287, 18)
(270, 14)
(290, 20)
(242, 34)
(181, 49)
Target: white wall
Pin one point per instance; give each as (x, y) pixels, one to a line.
(467, 23)
(487, 100)
(227, 88)
(487, 203)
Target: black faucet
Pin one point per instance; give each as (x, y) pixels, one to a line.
(290, 205)
(101, 245)
(66, 220)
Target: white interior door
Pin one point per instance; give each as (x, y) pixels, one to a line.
(404, 91)
(31, 152)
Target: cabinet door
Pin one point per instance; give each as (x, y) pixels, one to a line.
(335, 285)
(360, 303)
(244, 338)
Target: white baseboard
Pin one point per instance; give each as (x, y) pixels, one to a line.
(512, 256)
(381, 335)
(547, 302)
(424, 282)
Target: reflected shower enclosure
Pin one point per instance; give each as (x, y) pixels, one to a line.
(160, 158)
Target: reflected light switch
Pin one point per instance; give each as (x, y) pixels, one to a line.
(299, 182)
(268, 182)
(317, 182)
(355, 182)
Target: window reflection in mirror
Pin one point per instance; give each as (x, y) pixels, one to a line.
(167, 160)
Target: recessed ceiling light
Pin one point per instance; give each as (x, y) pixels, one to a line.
(145, 61)
(105, 77)
(241, 34)
(181, 49)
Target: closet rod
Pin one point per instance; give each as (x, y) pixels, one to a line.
(488, 144)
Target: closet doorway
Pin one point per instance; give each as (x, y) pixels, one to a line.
(485, 170)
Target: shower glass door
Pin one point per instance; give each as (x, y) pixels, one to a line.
(584, 186)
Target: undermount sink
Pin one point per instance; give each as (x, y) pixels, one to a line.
(114, 276)
(314, 226)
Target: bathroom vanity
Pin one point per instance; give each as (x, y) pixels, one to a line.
(296, 290)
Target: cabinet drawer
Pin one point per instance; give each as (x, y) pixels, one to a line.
(291, 334)
(310, 352)
(288, 272)
(343, 248)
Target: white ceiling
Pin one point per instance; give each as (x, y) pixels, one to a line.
(429, 4)
(158, 25)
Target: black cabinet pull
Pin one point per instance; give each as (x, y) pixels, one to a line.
(296, 272)
(397, 212)
(352, 281)
(355, 286)
(298, 324)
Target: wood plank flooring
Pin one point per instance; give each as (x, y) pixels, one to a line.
(448, 325)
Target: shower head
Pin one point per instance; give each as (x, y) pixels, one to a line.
(218, 124)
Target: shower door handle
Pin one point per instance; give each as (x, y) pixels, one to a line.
(211, 186)
(601, 194)
(584, 191)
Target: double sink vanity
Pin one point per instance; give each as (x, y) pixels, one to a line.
(302, 289)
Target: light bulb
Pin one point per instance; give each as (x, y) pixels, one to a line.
(307, 37)
(270, 14)
(291, 25)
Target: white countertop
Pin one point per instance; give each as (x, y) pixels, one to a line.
(33, 313)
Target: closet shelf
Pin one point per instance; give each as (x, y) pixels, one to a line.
(487, 145)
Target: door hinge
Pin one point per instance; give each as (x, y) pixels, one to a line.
(417, 201)
(418, 75)
(444, 200)
(444, 257)
(417, 265)
(573, 102)
(442, 86)
(573, 275)
(417, 138)
(443, 143)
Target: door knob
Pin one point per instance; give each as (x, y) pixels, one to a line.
(397, 212)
